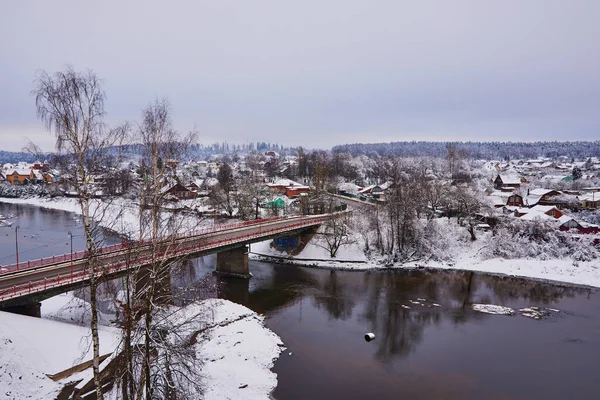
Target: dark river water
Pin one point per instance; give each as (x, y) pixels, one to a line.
(420, 351)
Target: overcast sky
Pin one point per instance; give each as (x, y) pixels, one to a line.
(317, 73)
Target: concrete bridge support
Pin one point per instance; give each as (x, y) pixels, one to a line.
(234, 262)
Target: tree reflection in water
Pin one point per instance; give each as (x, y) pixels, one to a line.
(375, 298)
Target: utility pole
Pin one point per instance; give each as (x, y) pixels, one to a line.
(71, 237)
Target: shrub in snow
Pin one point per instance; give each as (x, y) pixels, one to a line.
(542, 240)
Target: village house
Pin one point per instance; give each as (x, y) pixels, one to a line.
(499, 199)
(545, 197)
(504, 182)
(19, 176)
(288, 187)
(568, 224)
(551, 211)
(349, 189)
(178, 191)
(590, 200)
(515, 200)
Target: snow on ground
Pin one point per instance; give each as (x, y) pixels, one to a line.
(493, 309)
(559, 270)
(459, 255)
(237, 350)
(238, 356)
(33, 347)
(70, 309)
(349, 257)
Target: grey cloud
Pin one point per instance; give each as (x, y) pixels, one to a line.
(323, 72)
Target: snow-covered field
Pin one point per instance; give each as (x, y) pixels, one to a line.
(237, 351)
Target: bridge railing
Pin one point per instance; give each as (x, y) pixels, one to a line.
(82, 254)
(114, 268)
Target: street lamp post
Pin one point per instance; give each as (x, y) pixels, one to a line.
(71, 237)
(17, 244)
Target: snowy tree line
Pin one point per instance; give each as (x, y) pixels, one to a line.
(476, 150)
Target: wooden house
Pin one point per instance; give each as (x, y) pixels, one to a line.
(19, 176)
(179, 191)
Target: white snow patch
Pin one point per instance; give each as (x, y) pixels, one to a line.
(238, 353)
(33, 347)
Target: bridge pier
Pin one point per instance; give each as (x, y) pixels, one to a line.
(31, 310)
(234, 262)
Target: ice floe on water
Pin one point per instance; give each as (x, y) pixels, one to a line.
(421, 302)
(529, 312)
(537, 312)
(493, 309)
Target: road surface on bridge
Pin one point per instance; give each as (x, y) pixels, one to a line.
(37, 276)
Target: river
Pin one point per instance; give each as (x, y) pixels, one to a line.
(429, 342)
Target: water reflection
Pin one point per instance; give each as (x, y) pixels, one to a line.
(379, 298)
(322, 316)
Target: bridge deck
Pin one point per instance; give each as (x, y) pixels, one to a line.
(35, 277)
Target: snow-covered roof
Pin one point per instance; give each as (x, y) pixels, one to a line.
(540, 192)
(535, 195)
(496, 201)
(499, 193)
(286, 183)
(509, 179)
(349, 187)
(564, 219)
(532, 215)
(552, 178)
(367, 189)
(543, 209)
(594, 196)
(20, 171)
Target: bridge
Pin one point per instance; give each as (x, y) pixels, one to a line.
(27, 283)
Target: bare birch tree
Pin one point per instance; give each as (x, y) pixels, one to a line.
(71, 105)
(157, 366)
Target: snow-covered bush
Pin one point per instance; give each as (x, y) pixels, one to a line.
(13, 191)
(514, 238)
(434, 239)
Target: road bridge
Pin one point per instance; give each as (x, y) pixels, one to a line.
(27, 283)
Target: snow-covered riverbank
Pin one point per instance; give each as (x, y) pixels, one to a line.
(463, 255)
(237, 351)
(459, 254)
(120, 215)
